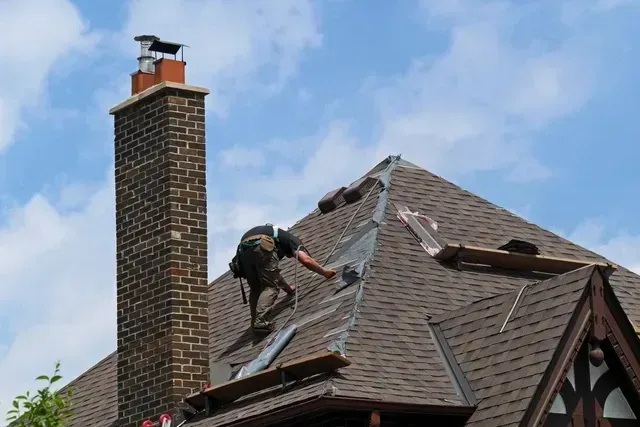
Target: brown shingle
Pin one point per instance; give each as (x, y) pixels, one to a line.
(393, 355)
(504, 368)
(95, 400)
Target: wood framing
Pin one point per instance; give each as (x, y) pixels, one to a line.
(516, 261)
(319, 363)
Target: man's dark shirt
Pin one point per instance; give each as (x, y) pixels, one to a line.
(287, 243)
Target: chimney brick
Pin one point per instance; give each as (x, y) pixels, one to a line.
(161, 230)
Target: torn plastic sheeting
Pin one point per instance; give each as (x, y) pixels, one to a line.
(356, 245)
(340, 345)
(268, 355)
(429, 240)
(351, 273)
(359, 247)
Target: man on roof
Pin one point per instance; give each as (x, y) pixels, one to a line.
(257, 260)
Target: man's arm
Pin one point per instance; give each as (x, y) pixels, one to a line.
(312, 264)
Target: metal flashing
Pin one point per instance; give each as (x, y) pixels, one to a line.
(457, 377)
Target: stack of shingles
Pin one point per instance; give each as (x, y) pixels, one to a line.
(521, 247)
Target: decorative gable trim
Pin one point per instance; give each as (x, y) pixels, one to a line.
(560, 365)
(599, 344)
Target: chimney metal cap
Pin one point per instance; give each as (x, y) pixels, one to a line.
(163, 47)
(146, 38)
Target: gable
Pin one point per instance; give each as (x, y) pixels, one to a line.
(597, 390)
(504, 345)
(593, 378)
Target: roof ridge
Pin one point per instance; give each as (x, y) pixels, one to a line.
(340, 344)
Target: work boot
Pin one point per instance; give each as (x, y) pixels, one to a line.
(262, 327)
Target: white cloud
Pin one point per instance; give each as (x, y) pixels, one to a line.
(477, 107)
(30, 51)
(474, 108)
(622, 248)
(57, 293)
(242, 157)
(332, 158)
(235, 46)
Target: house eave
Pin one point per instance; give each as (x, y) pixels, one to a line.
(329, 403)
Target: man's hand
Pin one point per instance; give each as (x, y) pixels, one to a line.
(328, 274)
(313, 265)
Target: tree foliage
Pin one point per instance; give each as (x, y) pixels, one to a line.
(45, 408)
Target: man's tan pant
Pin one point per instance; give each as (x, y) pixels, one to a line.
(261, 265)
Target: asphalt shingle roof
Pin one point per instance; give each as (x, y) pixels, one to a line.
(381, 321)
(505, 368)
(95, 395)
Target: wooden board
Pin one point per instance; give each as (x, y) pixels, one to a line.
(514, 260)
(304, 367)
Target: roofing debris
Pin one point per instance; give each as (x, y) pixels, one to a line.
(428, 239)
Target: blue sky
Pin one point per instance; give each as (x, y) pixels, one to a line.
(530, 104)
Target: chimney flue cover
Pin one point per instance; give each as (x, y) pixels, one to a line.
(145, 60)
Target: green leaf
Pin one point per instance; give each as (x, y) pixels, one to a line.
(45, 408)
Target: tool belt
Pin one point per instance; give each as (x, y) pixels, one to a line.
(266, 243)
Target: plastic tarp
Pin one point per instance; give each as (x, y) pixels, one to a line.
(351, 273)
(268, 355)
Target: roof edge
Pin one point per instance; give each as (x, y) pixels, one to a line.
(317, 403)
(88, 370)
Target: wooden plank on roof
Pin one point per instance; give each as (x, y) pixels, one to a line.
(304, 367)
(515, 261)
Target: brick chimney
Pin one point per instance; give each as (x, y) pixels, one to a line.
(161, 228)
